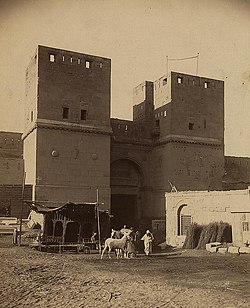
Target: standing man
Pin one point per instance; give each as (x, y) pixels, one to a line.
(148, 242)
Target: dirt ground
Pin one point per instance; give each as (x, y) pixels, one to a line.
(175, 279)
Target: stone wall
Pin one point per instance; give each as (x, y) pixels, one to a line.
(203, 207)
(11, 161)
(237, 172)
(11, 200)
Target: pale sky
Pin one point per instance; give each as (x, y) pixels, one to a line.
(137, 35)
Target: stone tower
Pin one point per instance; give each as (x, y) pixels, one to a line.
(67, 126)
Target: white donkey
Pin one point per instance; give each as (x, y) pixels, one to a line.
(117, 244)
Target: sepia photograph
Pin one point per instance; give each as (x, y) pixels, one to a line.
(124, 153)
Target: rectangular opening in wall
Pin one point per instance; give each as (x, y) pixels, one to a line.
(190, 126)
(78, 61)
(205, 123)
(186, 221)
(71, 60)
(179, 79)
(126, 127)
(206, 84)
(101, 65)
(65, 112)
(165, 81)
(245, 226)
(165, 113)
(83, 114)
(63, 58)
(52, 58)
(88, 64)
(157, 123)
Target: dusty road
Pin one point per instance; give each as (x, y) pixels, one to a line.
(30, 278)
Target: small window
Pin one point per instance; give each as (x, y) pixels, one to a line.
(63, 58)
(78, 61)
(126, 127)
(119, 126)
(165, 113)
(101, 65)
(206, 84)
(65, 112)
(190, 126)
(165, 81)
(83, 115)
(71, 60)
(179, 79)
(31, 116)
(245, 226)
(205, 123)
(52, 58)
(157, 123)
(88, 64)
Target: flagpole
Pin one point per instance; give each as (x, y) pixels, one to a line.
(197, 64)
(167, 65)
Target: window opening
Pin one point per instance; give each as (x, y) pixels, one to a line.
(179, 79)
(165, 81)
(83, 114)
(101, 65)
(205, 123)
(126, 127)
(63, 58)
(206, 84)
(65, 112)
(186, 221)
(157, 123)
(245, 226)
(52, 58)
(190, 126)
(71, 59)
(78, 61)
(165, 113)
(88, 64)
(119, 126)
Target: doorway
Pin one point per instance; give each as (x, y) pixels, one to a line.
(123, 211)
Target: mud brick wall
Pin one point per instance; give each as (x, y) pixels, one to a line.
(11, 200)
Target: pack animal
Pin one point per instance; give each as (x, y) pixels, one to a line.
(119, 244)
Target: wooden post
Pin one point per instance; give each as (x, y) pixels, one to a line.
(98, 221)
(21, 218)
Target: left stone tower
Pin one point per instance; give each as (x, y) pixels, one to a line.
(67, 126)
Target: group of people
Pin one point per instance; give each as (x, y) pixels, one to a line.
(133, 246)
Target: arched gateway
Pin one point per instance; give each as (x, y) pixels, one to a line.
(126, 190)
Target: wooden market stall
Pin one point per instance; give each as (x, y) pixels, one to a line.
(69, 225)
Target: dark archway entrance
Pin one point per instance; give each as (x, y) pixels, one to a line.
(126, 182)
(124, 210)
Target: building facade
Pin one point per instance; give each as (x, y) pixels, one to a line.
(67, 131)
(204, 207)
(72, 147)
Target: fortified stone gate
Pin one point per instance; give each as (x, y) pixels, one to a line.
(126, 193)
(72, 146)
